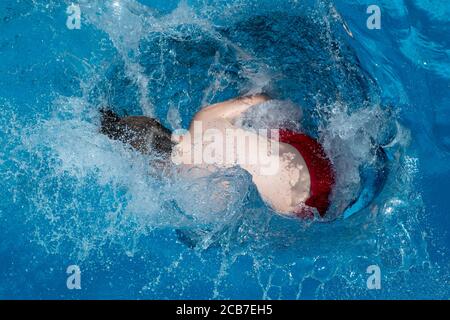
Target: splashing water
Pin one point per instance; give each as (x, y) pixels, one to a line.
(72, 196)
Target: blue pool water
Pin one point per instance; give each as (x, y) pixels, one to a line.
(70, 196)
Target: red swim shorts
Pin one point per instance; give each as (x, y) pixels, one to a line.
(320, 169)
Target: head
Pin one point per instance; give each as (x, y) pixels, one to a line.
(144, 134)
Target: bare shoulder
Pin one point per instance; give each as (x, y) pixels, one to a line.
(231, 108)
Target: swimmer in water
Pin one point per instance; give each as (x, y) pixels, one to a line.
(300, 185)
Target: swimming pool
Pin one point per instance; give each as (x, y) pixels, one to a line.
(72, 197)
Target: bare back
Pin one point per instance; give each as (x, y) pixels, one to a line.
(284, 189)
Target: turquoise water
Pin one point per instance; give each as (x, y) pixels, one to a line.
(73, 197)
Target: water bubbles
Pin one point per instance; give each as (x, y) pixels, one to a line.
(81, 196)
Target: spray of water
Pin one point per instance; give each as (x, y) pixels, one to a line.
(85, 193)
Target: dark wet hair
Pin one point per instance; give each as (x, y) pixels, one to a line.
(144, 134)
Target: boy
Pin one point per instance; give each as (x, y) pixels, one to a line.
(295, 179)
